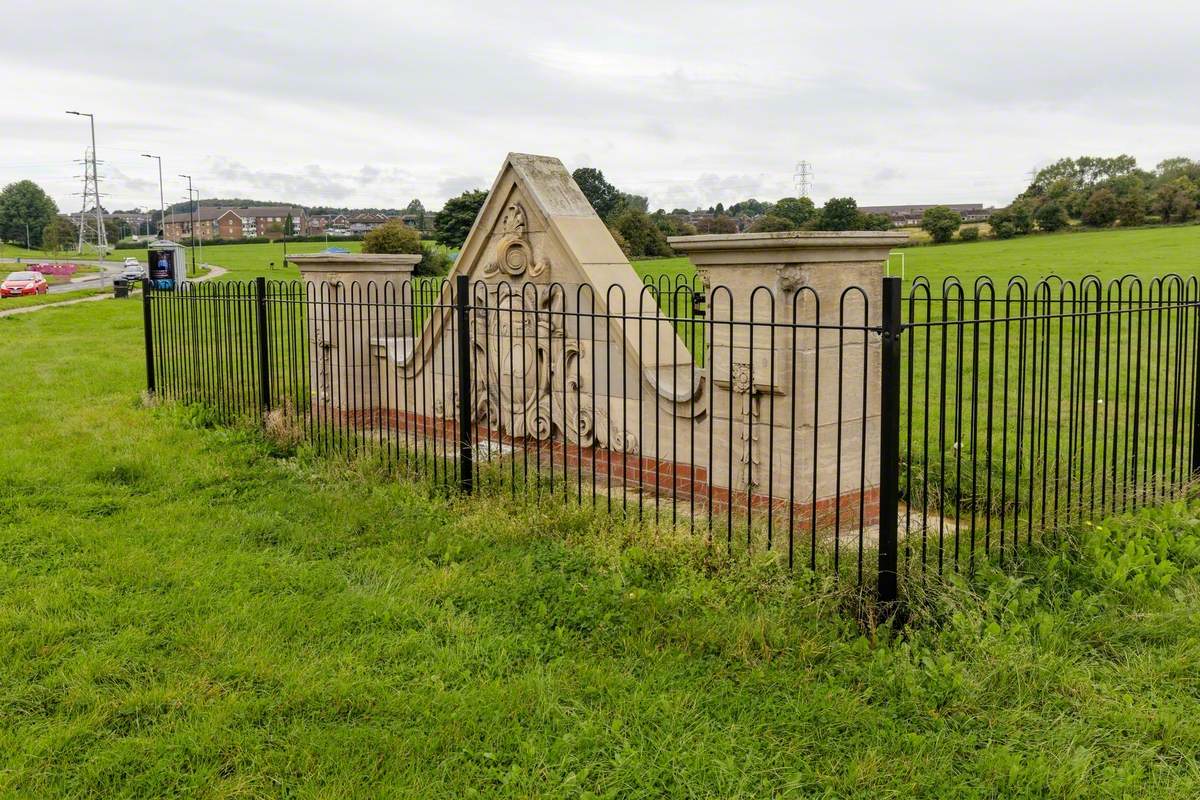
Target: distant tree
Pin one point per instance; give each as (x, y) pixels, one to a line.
(1102, 209)
(719, 209)
(603, 196)
(680, 212)
(417, 209)
(642, 235)
(1003, 229)
(671, 225)
(625, 202)
(619, 238)
(454, 221)
(1051, 216)
(771, 223)
(1175, 201)
(968, 233)
(838, 214)
(1131, 207)
(874, 222)
(749, 207)
(1171, 168)
(1022, 216)
(941, 222)
(800, 210)
(25, 207)
(721, 224)
(289, 225)
(61, 234)
(392, 237)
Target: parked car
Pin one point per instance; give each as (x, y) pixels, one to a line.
(18, 284)
(132, 271)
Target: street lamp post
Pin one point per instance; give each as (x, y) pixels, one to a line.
(191, 221)
(95, 186)
(162, 205)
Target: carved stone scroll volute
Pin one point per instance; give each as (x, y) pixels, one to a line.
(513, 255)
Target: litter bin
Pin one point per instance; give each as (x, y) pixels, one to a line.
(120, 288)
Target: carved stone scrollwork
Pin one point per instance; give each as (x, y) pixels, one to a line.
(749, 399)
(792, 278)
(528, 374)
(513, 255)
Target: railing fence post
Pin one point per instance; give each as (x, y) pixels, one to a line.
(889, 441)
(148, 330)
(466, 451)
(264, 347)
(1196, 393)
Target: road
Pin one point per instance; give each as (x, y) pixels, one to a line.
(87, 280)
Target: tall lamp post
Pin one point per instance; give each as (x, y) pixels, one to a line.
(162, 205)
(191, 221)
(100, 243)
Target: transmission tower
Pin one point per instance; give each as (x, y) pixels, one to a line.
(802, 178)
(91, 233)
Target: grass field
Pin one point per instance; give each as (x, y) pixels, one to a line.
(193, 611)
(47, 299)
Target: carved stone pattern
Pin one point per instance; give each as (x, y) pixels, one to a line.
(792, 278)
(749, 454)
(528, 375)
(513, 255)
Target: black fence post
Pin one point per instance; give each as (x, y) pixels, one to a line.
(264, 347)
(466, 452)
(889, 441)
(148, 330)
(1196, 397)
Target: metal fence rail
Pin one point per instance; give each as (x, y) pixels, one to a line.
(869, 435)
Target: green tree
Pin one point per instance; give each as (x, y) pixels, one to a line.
(1022, 216)
(24, 207)
(1003, 229)
(1052, 216)
(289, 225)
(1175, 201)
(61, 234)
(642, 235)
(800, 210)
(393, 237)
(770, 223)
(874, 222)
(416, 209)
(941, 222)
(838, 214)
(968, 233)
(718, 224)
(1131, 207)
(454, 221)
(1102, 209)
(603, 196)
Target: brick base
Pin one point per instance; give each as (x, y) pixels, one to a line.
(686, 486)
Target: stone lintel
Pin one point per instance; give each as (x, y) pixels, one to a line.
(362, 267)
(788, 247)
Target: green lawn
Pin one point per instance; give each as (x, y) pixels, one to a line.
(192, 611)
(48, 299)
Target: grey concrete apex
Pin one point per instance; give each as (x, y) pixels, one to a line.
(788, 246)
(355, 262)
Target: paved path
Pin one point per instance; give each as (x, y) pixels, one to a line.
(213, 272)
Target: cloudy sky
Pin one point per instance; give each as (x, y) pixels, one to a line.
(372, 104)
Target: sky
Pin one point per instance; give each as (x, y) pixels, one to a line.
(374, 104)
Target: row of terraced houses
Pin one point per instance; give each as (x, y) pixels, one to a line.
(245, 222)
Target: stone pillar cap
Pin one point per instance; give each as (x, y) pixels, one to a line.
(355, 262)
(787, 240)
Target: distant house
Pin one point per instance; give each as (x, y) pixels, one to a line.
(365, 221)
(243, 222)
(910, 215)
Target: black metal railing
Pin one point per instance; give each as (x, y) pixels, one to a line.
(870, 434)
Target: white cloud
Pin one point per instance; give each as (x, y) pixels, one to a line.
(369, 104)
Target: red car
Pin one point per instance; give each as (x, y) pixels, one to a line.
(23, 283)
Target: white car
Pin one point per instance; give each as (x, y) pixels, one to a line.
(133, 270)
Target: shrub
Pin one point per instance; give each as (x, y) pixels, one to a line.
(941, 222)
(1051, 216)
(1101, 209)
(393, 237)
(770, 223)
(1003, 229)
(620, 240)
(434, 261)
(968, 233)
